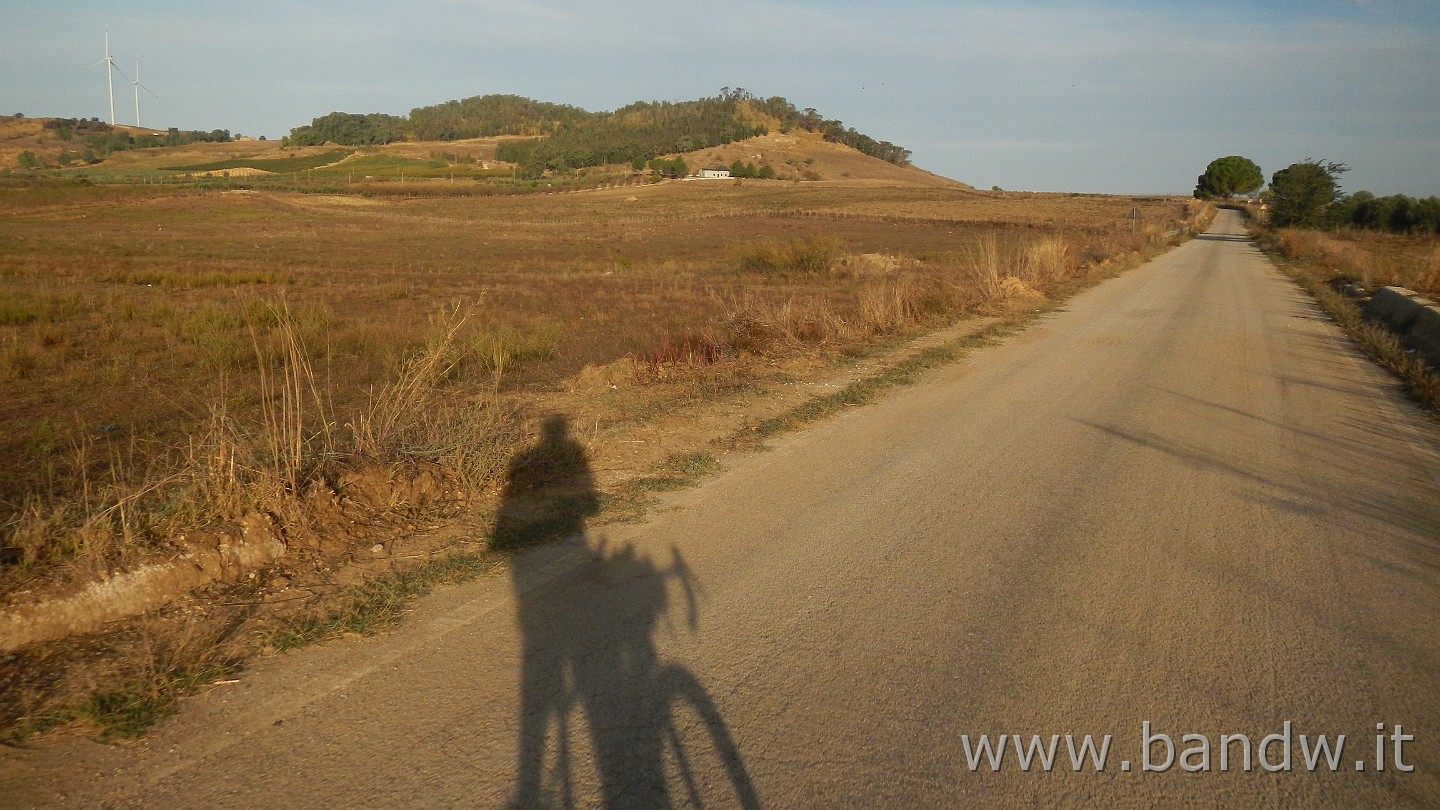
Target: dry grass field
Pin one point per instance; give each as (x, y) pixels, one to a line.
(1371, 259)
(357, 369)
(149, 334)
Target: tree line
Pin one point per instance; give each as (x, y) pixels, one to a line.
(1307, 195)
(743, 170)
(102, 139)
(1395, 213)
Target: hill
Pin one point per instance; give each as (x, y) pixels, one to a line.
(801, 155)
(566, 138)
(41, 143)
(525, 139)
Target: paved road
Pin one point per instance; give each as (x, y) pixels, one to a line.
(1182, 501)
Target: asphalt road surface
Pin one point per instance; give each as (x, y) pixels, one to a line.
(1183, 501)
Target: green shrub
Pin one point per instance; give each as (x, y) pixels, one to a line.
(807, 255)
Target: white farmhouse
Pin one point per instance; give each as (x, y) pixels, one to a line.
(714, 174)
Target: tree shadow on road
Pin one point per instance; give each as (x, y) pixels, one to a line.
(655, 738)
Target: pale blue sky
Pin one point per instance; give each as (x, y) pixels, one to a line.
(1101, 96)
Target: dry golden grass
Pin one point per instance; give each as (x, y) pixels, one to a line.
(1369, 258)
(352, 366)
(174, 356)
(24, 135)
(1323, 263)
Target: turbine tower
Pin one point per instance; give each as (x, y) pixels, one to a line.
(138, 86)
(110, 74)
(110, 71)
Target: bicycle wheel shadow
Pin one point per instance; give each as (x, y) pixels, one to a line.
(589, 655)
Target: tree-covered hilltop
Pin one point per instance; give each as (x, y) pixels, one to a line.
(634, 134)
(351, 129)
(476, 117)
(567, 137)
(488, 116)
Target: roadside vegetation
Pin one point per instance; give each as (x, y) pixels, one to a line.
(1327, 264)
(1366, 258)
(1342, 248)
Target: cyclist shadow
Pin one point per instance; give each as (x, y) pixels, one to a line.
(589, 655)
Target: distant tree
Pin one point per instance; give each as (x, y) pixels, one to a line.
(1427, 213)
(1302, 193)
(743, 170)
(766, 172)
(1229, 176)
(1368, 211)
(675, 167)
(31, 161)
(1403, 215)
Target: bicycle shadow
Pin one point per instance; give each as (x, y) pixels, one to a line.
(589, 655)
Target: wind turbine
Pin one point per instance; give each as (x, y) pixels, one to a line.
(136, 81)
(110, 71)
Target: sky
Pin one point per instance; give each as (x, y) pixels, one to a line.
(1035, 95)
